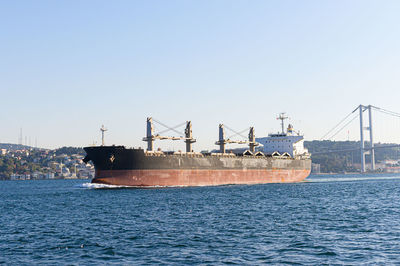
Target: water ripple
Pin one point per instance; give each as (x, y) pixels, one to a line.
(326, 220)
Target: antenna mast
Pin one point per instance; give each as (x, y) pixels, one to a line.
(102, 129)
(282, 117)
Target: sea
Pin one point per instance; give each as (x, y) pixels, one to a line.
(328, 219)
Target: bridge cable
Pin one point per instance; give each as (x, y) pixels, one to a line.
(336, 125)
(344, 126)
(386, 111)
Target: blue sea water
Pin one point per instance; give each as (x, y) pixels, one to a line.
(330, 219)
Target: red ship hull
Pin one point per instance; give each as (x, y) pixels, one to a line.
(197, 177)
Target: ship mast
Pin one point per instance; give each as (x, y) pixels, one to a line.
(149, 134)
(282, 117)
(102, 129)
(221, 140)
(189, 136)
(252, 140)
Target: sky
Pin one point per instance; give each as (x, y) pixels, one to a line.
(67, 67)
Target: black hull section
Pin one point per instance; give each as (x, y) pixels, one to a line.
(120, 158)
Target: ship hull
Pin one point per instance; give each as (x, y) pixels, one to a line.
(116, 165)
(170, 178)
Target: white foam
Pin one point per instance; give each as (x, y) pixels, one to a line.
(348, 179)
(96, 185)
(103, 186)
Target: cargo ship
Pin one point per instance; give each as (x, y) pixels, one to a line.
(277, 158)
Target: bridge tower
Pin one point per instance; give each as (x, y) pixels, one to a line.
(369, 150)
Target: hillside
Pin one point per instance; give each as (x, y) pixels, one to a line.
(348, 161)
(18, 160)
(13, 147)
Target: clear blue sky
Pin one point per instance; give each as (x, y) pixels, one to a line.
(67, 67)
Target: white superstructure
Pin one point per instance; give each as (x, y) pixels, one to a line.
(290, 142)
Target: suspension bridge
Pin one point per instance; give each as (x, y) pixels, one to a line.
(367, 145)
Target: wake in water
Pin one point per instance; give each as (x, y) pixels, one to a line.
(105, 186)
(348, 178)
(101, 186)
